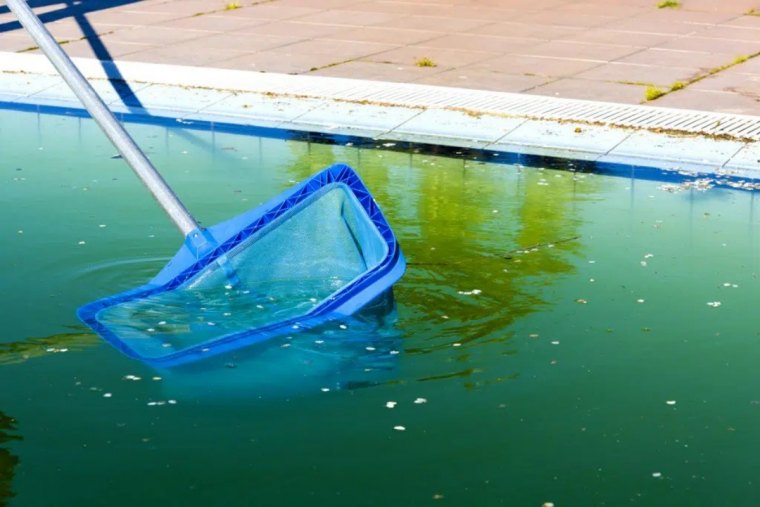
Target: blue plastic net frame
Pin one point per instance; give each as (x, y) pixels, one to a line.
(209, 247)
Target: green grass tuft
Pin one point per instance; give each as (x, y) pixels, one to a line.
(669, 4)
(653, 93)
(232, 6)
(740, 59)
(425, 62)
(678, 85)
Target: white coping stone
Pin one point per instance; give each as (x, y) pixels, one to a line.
(256, 109)
(475, 130)
(589, 139)
(16, 86)
(747, 158)
(350, 118)
(397, 111)
(671, 152)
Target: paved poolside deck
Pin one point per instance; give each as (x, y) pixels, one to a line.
(610, 50)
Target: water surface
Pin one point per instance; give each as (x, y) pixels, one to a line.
(551, 340)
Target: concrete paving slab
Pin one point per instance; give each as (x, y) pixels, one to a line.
(526, 30)
(477, 42)
(483, 79)
(632, 38)
(383, 35)
(730, 81)
(91, 49)
(591, 90)
(627, 73)
(581, 50)
(437, 22)
(724, 102)
(729, 48)
(281, 62)
(443, 58)
(378, 71)
(677, 58)
(537, 65)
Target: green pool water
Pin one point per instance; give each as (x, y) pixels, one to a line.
(554, 337)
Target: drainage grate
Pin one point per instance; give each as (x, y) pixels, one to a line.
(687, 121)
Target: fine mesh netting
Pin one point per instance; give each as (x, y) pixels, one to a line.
(280, 273)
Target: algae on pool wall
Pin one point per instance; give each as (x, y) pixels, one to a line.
(8, 461)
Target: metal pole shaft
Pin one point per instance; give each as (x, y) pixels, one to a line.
(103, 116)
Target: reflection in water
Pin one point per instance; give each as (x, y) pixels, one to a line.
(8, 461)
(20, 351)
(482, 242)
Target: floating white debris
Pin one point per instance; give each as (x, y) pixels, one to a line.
(343, 326)
(107, 395)
(228, 286)
(162, 323)
(445, 317)
(555, 342)
(581, 301)
(473, 292)
(151, 330)
(172, 402)
(389, 145)
(82, 243)
(643, 264)
(390, 404)
(156, 378)
(20, 231)
(102, 226)
(714, 304)
(639, 300)
(656, 475)
(325, 389)
(671, 402)
(648, 256)
(319, 342)
(394, 352)
(420, 401)
(134, 378)
(457, 344)
(399, 428)
(370, 349)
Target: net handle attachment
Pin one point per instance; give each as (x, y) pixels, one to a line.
(94, 105)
